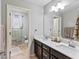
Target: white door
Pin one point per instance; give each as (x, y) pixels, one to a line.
(10, 8)
(9, 36)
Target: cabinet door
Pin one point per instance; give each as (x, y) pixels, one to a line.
(45, 54)
(59, 55)
(45, 47)
(53, 57)
(38, 50)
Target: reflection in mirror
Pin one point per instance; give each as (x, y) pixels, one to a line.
(56, 26)
(56, 29)
(63, 23)
(76, 30)
(68, 32)
(52, 26)
(72, 32)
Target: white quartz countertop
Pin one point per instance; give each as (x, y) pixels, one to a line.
(73, 53)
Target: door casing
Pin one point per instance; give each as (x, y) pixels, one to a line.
(9, 9)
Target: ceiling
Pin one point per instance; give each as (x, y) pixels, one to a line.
(39, 2)
(72, 4)
(44, 2)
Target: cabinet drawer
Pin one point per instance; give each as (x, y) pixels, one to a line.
(53, 57)
(38, 51)
(46, 48)
(58, 54)
(45, 54)
(37, 42)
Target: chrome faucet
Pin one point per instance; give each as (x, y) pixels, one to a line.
(46, 37)
(71, 43)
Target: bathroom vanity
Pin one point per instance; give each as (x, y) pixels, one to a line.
(46, 49)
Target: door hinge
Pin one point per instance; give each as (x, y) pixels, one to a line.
(9, 14)
(9, 33)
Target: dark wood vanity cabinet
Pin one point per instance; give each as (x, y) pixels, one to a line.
(38, 49)
(46, 51)
(43, 51)
(57, 55)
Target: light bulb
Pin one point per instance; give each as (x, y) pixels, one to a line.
(61, 5)
(56, 9)
(53, 8)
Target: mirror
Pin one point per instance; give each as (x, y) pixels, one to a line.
(62, 22)
(71, 26)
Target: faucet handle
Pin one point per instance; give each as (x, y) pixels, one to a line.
(71, 44)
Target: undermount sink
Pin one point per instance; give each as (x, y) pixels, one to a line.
(66, 46)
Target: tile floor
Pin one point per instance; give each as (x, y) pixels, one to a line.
(24, 54)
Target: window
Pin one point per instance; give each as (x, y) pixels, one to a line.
(16, 21)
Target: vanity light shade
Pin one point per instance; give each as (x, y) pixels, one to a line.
(61, 5)
(53, 8)
(56, 8)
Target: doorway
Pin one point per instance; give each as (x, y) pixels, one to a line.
(18, 36)
(19, 27)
